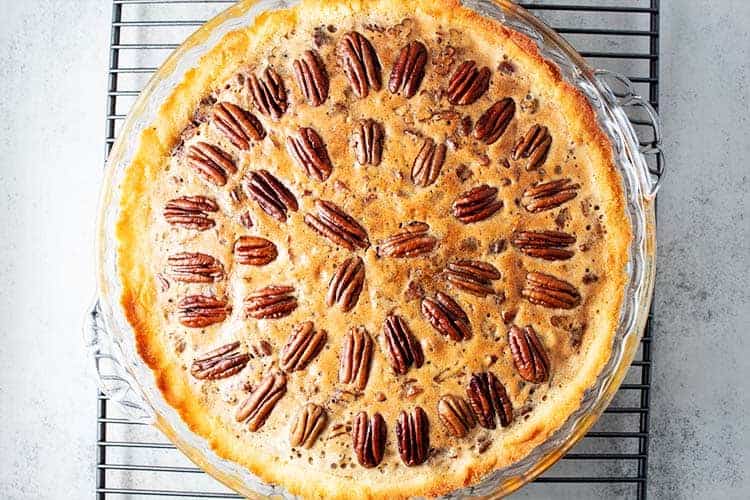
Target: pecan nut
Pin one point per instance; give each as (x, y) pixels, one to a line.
(548, 291)
(413, 436)
(346, 284)
(191, 212)
(312, 78)
(534, 146)
(270, 194)
(529, 355)
(446, 316)
(210, 162)
(408, 70)
(544, 196)
(547, 245)
(456, 415)
(194, 267)
(238, 125)
(360, 62)
(356, 355)
(258, 406)
(307, 426)
(468, 83)
(489, 400)
(303, 345)
(404, 349)
(412, 241)
(476, 204)
(269, 93)
(271, 302)
(472, 276)
(428, 163)
(219, 363)
(492, 124)
(309, 151)
(199, 311)
(368, 142)
(254, 251)
(368, 439)
(336, 225)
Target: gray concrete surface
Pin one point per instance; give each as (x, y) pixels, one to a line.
(52, 61)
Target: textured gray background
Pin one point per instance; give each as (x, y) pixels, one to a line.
(52, 77)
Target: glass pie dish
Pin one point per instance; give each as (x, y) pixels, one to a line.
(127, 379)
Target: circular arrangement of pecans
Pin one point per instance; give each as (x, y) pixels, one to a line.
(486, 401)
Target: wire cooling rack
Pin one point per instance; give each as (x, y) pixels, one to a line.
(135, 461)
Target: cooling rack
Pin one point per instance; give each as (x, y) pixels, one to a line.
(135, 461)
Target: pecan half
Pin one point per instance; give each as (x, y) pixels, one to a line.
(219, 363)
(492, 124)
(346, 284)
(198, 311)
(312, 78)
(191, 212)
(336, 225)
(411, 241)
(368, 142)
(254, 251)
(468, 83)
(194, 267)
(360, 63)
(476, 204)
(456, 415)
(307, 426)
(489, 400)
(238, 125)
(256, 408)
(368, 439)
(356, 355)
(547, 245)
(404, 349)
(413, 436)
(446, 316)
(271, 302)
(210, 162)
(428, 163)
(548, 291)
(269, 93)
(534, 146)
(309, 151)
(303, 345)
(270, 194)
(408, 70)
(529, 355)
(472, 276)
(546, 195)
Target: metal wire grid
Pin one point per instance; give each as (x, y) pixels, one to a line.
(135, 461)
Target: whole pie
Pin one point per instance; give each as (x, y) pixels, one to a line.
(374, 249)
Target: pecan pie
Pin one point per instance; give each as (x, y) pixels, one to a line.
(351, 252)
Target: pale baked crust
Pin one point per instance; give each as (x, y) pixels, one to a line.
(578, 341)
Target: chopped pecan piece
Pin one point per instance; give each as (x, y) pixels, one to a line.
(219, 363)
(488, 400)
(368, 142)
(194, 267)
(307, 426)
(309, 151)
(254, 251)
(529, 355)
(428, 163)
(411, 241)
(547, 245)
(191, 212)
(360, 63)
(408, 70)
(346, 284)
(404, 349)
(336, 225)
(312, 78)
(368, 439)
(472, 276)
(468, 83)
(534, 146)
(356, 355)
(198, 311)
(413, 436)
(446, 316)
(256, 408)
(546, 195)
(456, 415)
(270, 194)
(303, 345)
(210, 162)
(238, 125)
(548, 291)
(269, 93)
(492, 124)
(271, 302)
(476, 204)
